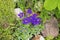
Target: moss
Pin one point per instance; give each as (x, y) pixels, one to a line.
(7, 10)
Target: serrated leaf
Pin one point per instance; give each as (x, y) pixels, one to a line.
(50, 4)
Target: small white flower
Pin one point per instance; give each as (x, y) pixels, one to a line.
(17, 11)
(42, 38)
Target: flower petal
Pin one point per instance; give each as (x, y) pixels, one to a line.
(29, 11)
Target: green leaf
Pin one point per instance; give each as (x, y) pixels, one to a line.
(50, 37)
(59, 4)
(50, 4)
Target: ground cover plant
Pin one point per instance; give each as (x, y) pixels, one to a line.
(28, 20)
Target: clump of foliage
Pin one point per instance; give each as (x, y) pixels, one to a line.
(13, 29)
(6, 18)
(51, 5)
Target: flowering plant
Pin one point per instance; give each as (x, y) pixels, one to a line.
(30, 23)
(21, 22)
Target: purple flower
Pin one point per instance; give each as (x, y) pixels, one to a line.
(36, 21)
(29, 11)
(21, 14)
(34, 15)
(26, 20)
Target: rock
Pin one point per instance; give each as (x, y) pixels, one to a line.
(51, 28)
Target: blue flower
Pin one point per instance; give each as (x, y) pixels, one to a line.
(26, 20)
(36, 21)
(29, 11)
(21, 14)
(34, 15)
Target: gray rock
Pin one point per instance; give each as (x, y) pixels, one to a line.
(51, 27)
